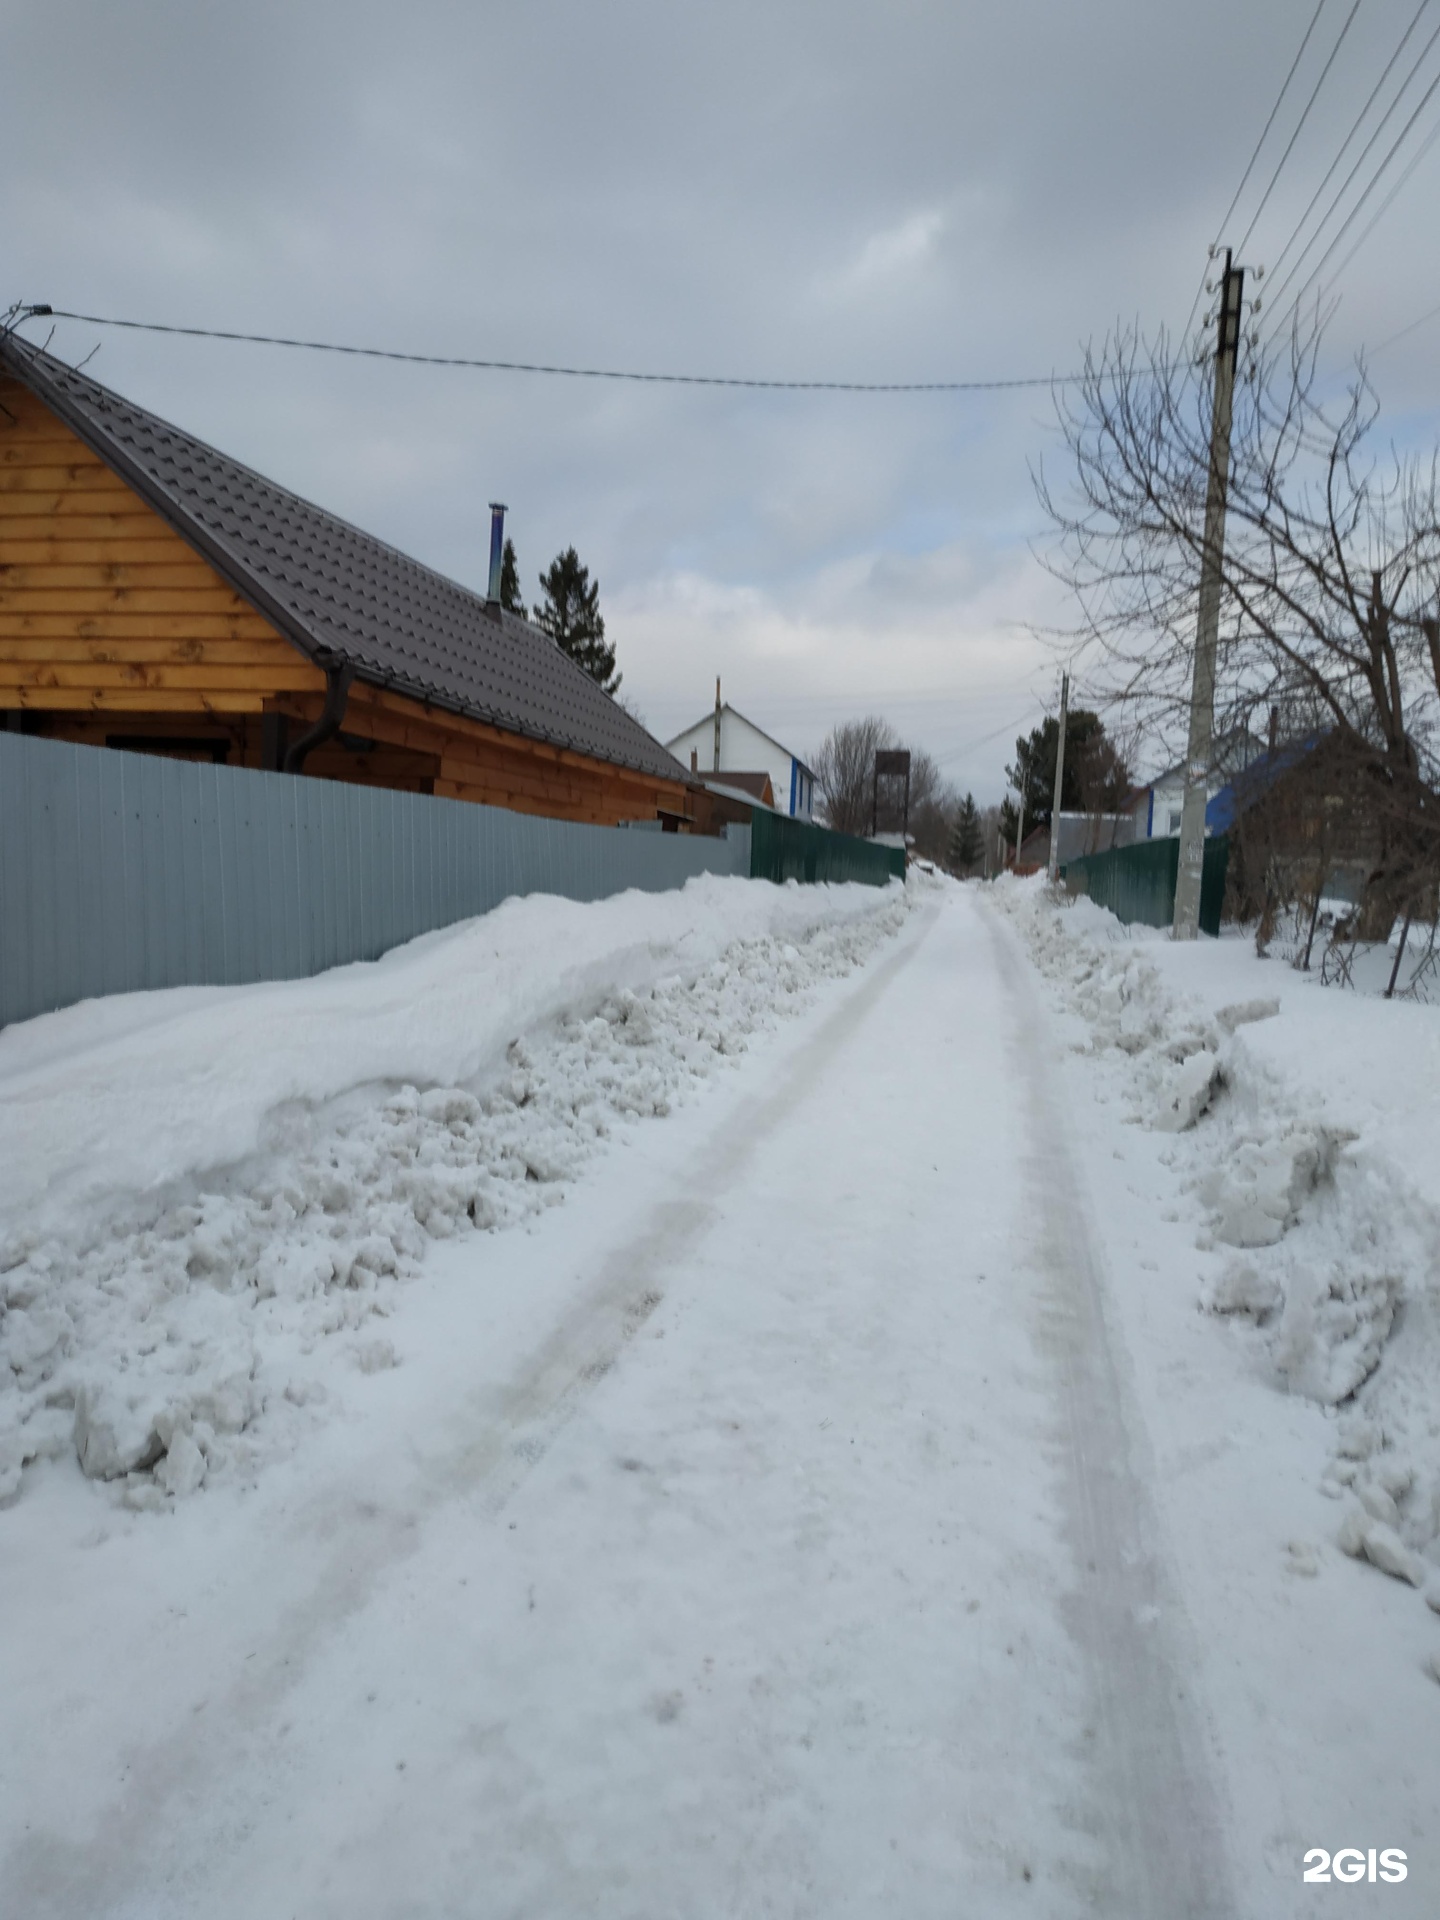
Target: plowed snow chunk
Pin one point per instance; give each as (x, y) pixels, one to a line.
(1385, 1549)
(1333, 1331)
(1243, 1289)
(116, 1432)
(34, 1341)
(1358, 1437)
(1244, 1012)
(182, 1470)
(1190, 1089)
(1256, 1194)
(450, 1107)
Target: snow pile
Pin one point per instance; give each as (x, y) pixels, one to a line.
(162, 1337)
(1320, 1243)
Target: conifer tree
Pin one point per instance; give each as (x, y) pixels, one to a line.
(510, 582)
(965, 845)
(570, 614)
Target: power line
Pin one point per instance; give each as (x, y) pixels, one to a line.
(1360, 160)
(569, 373)
(1304, 116)
(1250, 165)
(1279, 259)
(1374, 181)
(1284, 89)
(984, 739)
(1383, 208)
(1433, 314)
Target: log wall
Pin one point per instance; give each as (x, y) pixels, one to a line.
(115, 631)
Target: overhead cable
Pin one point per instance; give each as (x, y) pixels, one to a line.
(1392, 339)
(1284, 88)
(1374, 181)
(569, 373)
(1250, 164)
(1304, 116)
(1383, 208)
(1279, 260)
(1360, 160)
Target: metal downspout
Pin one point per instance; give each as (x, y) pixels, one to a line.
(339, 672)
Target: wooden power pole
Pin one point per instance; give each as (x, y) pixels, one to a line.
(1059, 779)
(1186, 924)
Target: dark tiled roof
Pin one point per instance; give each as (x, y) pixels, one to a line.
(751, 783)
(329, 587)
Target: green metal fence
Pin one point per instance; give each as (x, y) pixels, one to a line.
(1137, 883)
(782, 849)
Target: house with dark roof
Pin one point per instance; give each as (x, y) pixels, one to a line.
(157, 595)
(1157, 807)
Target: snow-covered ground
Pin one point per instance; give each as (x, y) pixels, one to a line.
(524, 1428)
(198, 1187)
(1306, 1126)
(1263, 1148)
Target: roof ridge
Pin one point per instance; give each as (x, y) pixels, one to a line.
(9, 337)
(329, 586)
(727, 707)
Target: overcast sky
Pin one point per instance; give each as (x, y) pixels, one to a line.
(899, 192)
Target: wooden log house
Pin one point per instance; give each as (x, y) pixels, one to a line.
(159, 596)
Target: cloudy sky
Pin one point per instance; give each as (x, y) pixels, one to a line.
(901, 192)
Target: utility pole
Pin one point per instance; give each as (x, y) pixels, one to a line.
(717, 723)
(1207, 626)
(1059, 779)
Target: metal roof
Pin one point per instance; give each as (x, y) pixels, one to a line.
(330, 588)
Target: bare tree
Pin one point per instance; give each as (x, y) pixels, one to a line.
(844, 769)
(1329, 575)
(845, 774)
(933, 806)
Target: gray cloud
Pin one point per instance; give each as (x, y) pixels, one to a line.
(913, 191)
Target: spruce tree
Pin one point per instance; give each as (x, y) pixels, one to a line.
(570, 614)
(1096, 777)
(965, 845)
(510, 582)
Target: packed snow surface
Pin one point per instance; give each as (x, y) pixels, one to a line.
(1298, 1142)
(890, 1482)
(197, 1188)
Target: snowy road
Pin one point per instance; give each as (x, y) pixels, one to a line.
(772, 1533)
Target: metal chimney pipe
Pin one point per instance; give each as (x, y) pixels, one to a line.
(497, 550)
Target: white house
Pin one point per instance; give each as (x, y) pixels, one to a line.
(726, 742)
(1156, 808)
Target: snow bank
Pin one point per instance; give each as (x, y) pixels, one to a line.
(197, 1186)
(1325, 1246)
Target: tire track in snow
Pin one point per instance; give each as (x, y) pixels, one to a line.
(158, 1833)
(1158, 1811)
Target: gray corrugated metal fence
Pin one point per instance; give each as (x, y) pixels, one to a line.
(121, 871)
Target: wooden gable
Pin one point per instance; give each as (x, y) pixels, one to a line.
(115, 631)
(102, 605)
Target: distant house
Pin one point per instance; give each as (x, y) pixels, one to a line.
(1303, 821)
(1156, 808)
(159, 596)
(725, 747)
